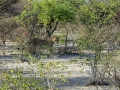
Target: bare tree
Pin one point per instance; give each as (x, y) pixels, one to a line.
(7, 26)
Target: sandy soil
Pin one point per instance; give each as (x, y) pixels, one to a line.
(78, 73)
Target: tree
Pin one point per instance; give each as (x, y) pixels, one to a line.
(46, 14)
(7, 22)
(98, 18)
(7, 25)
(5, 4)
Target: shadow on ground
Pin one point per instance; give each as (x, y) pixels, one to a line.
(76, 81)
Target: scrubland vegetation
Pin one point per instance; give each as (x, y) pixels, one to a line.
(41, 29)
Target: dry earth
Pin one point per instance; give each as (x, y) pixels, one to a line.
(78, 73)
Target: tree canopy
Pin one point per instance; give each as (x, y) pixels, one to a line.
(98, 12)
(47, 13)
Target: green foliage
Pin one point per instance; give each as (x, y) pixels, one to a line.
(98, 12)
(49, 70)
(55, 10)
(28, 16)
(46, 13)
(97, 16)
(15, 79)
(46, 77)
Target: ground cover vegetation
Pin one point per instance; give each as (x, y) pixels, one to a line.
(93, 26)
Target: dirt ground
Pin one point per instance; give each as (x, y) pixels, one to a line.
(78, 72)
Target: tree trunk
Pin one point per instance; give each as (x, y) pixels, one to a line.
(66, 42)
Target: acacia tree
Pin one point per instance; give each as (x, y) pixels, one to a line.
(46, 14)
(98, 18)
